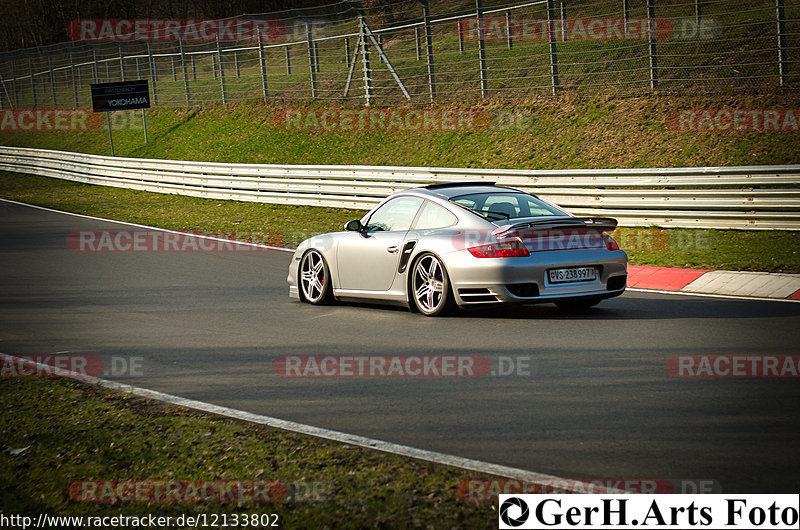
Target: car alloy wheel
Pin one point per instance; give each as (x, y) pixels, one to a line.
(430, 286)
(315, 280)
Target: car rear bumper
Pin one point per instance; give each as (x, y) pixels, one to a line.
(526, 280)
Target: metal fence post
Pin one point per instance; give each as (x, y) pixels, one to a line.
(95, 66)
(508, 30)
(311, 65)
(236, 63)
(174, 70)
(121, 63)
(781, 17)
(14, 91)
(214, 65)
(626, 16)
(185, 69)
(72, 75)
(698, 8)
(551, 36)
(221, 71)
(316, 55)
(347, 51)
(563, 21)
(426, 17)
(52, 80)
(153, 75)
(33, 80)
(651, 37)
(262, 62)
(417, 43)
(288, 61)
(365, 62)
(460, 28)
(481, 48)
(152, 64)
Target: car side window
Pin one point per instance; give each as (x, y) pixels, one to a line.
(396, 215)
(434, 216)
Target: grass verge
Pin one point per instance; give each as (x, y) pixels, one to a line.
(75, 432)
(771, 251)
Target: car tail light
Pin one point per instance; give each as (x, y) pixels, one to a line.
(610, 243)
(512, 248)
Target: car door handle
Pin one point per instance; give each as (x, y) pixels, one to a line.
(393, 249)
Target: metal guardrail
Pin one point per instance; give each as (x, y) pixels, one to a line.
(752, 197)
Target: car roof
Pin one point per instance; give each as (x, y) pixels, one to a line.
(448, 190)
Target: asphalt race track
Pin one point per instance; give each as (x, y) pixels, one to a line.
(598, 401)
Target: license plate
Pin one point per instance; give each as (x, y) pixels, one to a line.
(577, 274)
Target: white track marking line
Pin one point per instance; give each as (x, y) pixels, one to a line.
(167, 230)
(327, 434)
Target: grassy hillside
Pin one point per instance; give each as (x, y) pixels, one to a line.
(535, 133)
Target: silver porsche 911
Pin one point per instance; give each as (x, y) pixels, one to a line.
(460, 244)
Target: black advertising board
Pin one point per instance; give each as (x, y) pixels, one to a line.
(123, 95)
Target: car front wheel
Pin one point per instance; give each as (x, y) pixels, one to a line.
(315, 279)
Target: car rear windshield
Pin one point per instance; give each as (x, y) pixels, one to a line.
(507, 205)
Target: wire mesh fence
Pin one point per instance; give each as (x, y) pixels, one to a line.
(418, 53)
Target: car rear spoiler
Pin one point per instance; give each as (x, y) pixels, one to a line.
(604, 224)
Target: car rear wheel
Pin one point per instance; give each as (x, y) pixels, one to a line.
(430, 286)
(315, 279)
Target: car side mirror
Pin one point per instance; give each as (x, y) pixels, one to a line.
(353, 226)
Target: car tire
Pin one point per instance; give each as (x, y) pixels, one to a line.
(578, 305)
(314, 279)
(430, 286)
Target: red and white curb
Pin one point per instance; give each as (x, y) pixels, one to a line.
(763, 285)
